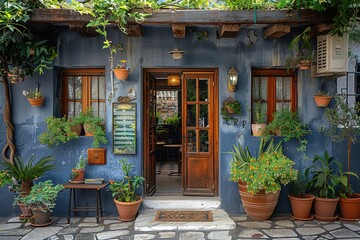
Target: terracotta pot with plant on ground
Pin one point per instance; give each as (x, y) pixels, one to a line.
(258, 177)
(124, 192)
(350, 208)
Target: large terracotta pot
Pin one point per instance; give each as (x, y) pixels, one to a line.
(77, 129)
(78, 175)
(25, 211)
(41, 217)
(36, 102)
(87, 127)
(325, 208)
(350, 208)
(259, 206)
(322, 101)
(257, 128)
(301, 206)
(121, 73)
(127, 210)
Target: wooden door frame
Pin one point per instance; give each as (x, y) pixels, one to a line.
(215, 71)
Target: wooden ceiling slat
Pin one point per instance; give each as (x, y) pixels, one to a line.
(179, 30)
(229, 30)
(276, 31)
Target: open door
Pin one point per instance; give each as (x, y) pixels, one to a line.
(199, 132)
(149, 133)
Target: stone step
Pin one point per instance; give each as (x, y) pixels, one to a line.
(145, 223)
(182, 202)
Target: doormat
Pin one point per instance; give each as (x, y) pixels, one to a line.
(183, 216)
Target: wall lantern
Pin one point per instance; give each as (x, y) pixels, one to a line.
(177, 53)
(232, 79)
(173, 80)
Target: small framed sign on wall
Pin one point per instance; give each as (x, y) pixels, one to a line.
(124, 128)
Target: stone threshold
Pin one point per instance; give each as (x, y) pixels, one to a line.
(145, 222)
(181, 202)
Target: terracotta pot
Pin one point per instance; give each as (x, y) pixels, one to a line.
(325, 208)
(87, 127)
(77, 129)
(25, 211)
(128, 210)
(78, 175)
(322, 101)
(258, 128)
(350, 207)
(40, 216)
(229, 109)
(121, 73)
(301, 206)
(36, 102)
(259, 206)
(304, 65)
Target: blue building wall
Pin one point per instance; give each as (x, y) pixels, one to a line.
(151, 51)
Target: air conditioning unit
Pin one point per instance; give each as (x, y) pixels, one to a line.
(332, 54)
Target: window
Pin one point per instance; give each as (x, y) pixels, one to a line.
(275, 89)
(84, 88)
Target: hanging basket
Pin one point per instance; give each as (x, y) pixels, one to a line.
(304, 65)
(322, 101)
(36, 102)
(121, 73)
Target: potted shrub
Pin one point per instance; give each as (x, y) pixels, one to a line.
(322, 99)
(121, 71)
(259, 124)
(303, 42)
(41, 201)
(260, 178)
(20, 177)
(34, 97)
(124, 192)
(229, 107)
(301, 201)
(288, 125)
(78, 171)
(344, 125)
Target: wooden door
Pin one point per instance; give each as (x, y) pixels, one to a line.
(149, 134)
(199, 133)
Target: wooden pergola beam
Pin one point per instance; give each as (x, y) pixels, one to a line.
(179, 30)
(229, 30)
(199, 17)
(276, 31)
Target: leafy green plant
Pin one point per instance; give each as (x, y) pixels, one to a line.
(125, 190)
(259, 114)
(327, 176)
(25, 173)
(289, 125)
(32, 93)
(229, 107)
(42, 195)
(94, 125)
(298, 187)
(81, 163)
(174, 121)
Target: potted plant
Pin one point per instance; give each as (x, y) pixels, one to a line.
(121, 71)
(259, 124)
(78, 171)
(16, 74)
(34, 97)
(260, 178)
(301, 201)
(20, 177)
(124, 192)
(322, 99)
(229, 107)
(59, 130)
(344, 124)
(304, 56)
(41, 201)
(288, 125)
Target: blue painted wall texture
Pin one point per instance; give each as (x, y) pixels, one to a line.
(151, 50)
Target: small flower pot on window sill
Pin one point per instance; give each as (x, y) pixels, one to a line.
(36, 102)
(121, 73)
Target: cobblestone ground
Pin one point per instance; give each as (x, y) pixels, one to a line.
(281, 227)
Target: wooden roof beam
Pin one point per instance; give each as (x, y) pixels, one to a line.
(229, 30)
(179, 30)
(276, 31)
(320, 29)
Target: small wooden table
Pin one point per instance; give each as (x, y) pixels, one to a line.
(97, 187)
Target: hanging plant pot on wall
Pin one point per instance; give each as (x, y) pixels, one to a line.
(322, 100)
(36, 102)
(121, 73)
(304, 65)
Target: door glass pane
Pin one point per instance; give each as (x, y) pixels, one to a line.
(74, 87)
(191, 116)
(191, 146)
(191, 90)
(203, 90)
(204, 115)
(204, 141)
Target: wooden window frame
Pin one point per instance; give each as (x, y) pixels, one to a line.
(86, 100)
(271, 75)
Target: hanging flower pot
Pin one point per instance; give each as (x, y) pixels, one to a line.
(121, 73)
(322, 100)
(304, 64)
(36, 102)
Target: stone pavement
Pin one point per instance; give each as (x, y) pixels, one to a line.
(83, 228)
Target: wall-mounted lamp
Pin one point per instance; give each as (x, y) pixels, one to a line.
(177, 53)
(232, 79)
(173, 80)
